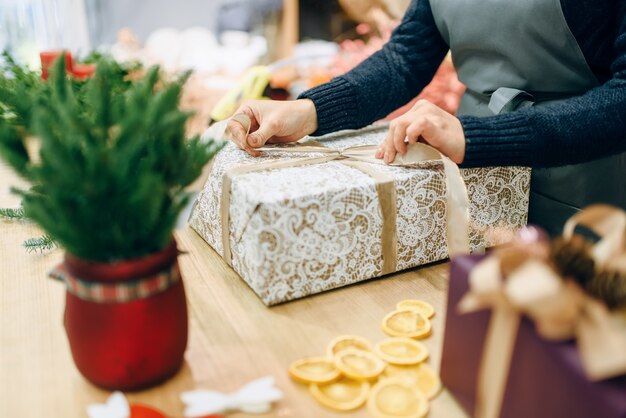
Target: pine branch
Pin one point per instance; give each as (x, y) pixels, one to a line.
(13, 214)
(40, 244)
(113, 162)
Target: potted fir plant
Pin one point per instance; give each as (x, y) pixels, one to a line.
(108, 174)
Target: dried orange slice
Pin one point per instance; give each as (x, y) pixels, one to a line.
(314, 370)
(359, 364)
(348, 341)
(406, 323)
(419, 306)
(401, 351)
(422, 376)
(408, 372)
(428, 382)
(342, 395)
(396, 398)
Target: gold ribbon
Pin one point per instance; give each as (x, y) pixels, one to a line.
(560, 309)
(362, 158)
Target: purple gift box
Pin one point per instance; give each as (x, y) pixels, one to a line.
(546, 379)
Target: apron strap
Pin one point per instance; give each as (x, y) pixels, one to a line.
(506, 100)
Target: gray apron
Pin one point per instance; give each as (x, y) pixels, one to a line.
(513, 54)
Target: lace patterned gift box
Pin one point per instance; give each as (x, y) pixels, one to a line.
(302, 230)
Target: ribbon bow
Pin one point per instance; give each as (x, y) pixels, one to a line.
(519, 280)
(254, 398)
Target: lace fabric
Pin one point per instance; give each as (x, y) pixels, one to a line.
(299, 231)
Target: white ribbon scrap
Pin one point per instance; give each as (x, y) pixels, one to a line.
(116, 406)
(216, 132)
(254, 398)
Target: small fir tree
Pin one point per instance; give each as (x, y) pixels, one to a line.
(109, 177)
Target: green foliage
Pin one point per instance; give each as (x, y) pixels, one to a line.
(41, 244)
(94, 57)
(14, 214)
(20, 90)
(113, 163)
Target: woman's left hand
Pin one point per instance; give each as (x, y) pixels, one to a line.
(428, 123)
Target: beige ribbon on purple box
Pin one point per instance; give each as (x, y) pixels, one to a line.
(362, 158)
(559, 308)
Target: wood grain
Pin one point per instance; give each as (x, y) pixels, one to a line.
(234, 338)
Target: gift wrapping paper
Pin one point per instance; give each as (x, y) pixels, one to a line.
(302, 230)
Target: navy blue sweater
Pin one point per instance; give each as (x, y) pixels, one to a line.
(576, 130)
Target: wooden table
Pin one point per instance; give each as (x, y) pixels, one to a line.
(233, 339)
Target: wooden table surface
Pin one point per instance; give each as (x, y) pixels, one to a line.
(233, 338)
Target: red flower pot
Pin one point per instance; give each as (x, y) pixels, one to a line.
(120, 342)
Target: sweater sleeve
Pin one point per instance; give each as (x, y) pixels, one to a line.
(386, 80)
(576, 130)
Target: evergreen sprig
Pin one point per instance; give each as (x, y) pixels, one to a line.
(14, 214)
(40, 244)
(113, 163)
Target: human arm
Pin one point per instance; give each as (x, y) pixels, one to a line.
(387, 79)
(579, 129)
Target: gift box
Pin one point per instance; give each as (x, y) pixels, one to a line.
(300, 230)
(545, 378)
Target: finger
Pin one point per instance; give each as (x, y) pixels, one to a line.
(390, 153)
(259, 137)
(422, 130)
(380, 152)
(390, 150)
(240, 123)
(244, 120)
(239, 126)
(415, 130)
(399, 136)
(236, 132)
(388, 138)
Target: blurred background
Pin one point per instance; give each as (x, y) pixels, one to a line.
(237, 49)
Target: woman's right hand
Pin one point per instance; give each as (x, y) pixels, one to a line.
(272, 122)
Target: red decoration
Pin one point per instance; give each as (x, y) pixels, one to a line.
(49, 57)
(80, 71)
(83, 71)
(142, 411)
(131, 345)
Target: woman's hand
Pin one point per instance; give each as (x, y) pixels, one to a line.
(273, 122)
(428, 123)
